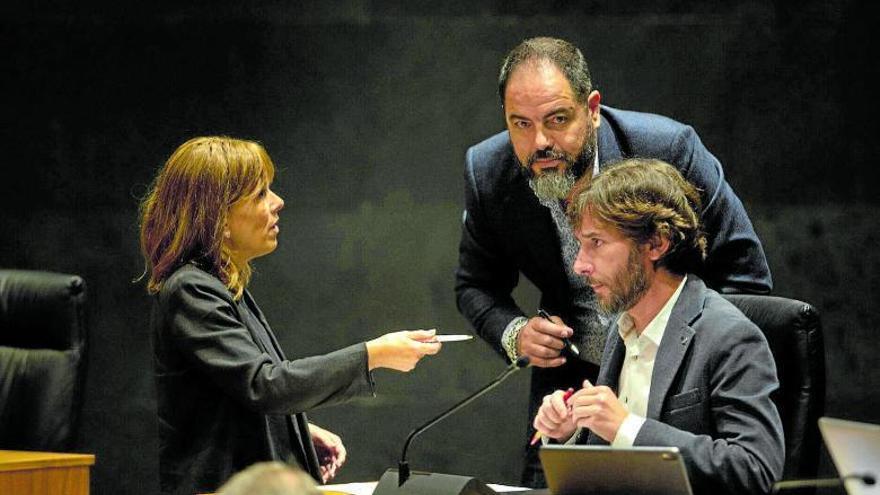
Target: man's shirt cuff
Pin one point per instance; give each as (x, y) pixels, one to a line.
(629, 429)
(570, 441)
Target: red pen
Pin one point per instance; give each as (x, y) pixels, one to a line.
(567, 395)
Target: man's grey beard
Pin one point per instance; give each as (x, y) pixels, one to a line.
(553, 185)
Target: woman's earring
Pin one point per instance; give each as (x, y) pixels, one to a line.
(227, 234)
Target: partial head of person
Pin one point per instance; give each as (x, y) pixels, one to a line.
(210, 204)
(552, 113)
(270, 478)
(637, 220)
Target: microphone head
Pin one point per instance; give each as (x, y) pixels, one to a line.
(522, 362)
(868, 479)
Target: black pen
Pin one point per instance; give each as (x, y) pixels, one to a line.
(572, 349)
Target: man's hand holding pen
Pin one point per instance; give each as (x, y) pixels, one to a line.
(555, 419)
(543, 340)
(598, 409)
(595, 408)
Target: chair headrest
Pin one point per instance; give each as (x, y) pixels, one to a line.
(774, 314)
(41, 310)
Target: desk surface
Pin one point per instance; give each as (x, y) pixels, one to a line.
(20, 460)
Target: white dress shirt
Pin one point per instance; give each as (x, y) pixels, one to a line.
(634, 385)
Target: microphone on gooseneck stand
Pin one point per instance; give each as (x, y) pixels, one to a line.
(404, 482)
(867, 479)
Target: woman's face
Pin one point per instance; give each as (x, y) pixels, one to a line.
(252, 225)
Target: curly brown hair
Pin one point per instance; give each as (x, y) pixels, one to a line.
(642, 198)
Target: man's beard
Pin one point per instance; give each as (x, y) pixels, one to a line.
(627, 287)
(555, 184)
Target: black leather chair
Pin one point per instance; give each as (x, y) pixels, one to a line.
(42, 359)
(794, 333)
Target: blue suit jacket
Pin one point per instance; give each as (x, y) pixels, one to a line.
(710, 394)
(506, 230)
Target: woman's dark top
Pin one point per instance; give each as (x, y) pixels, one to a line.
(227, 397)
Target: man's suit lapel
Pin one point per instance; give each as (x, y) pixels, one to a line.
(676, 340)
(609, 147)
(612, 360)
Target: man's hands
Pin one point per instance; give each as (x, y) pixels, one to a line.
(401, 351)
(554, 418)
(541, 341)
(331, 452)
(596, 408)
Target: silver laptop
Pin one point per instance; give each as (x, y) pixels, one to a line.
(854, 449)
(602, 470)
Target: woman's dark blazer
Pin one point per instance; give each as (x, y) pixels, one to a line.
(227, 397)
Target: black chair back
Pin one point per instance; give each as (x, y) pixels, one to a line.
(42, 359)
(794, 333)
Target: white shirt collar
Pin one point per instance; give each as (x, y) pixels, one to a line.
(657, 326)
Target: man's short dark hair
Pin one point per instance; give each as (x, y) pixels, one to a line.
(642, 198)
(565, 56)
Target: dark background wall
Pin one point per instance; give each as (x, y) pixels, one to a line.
(367, 108)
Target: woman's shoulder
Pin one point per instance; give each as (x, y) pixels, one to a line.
(190, 279)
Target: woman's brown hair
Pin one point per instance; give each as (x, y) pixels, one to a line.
(183, 216)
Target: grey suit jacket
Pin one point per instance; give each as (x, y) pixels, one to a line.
(227, 396)
(710, 394)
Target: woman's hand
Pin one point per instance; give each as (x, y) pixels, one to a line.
(401, 350)
(331, 452)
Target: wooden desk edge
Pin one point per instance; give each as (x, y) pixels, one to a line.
(20, 460)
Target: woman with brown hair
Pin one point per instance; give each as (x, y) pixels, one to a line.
(227, 395)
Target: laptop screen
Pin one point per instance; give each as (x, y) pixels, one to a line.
(602, 470)
(855, 450)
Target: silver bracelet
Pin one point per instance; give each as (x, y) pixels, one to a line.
(510, 335)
